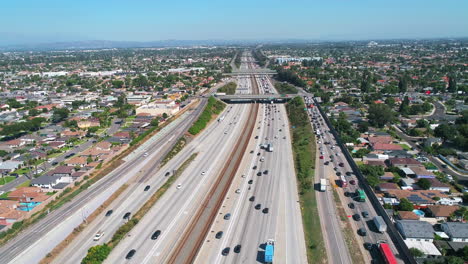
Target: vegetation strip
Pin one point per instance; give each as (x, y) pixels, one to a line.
(58, 249)
(303, 145)
(99, 253)
(228, 88)
(212, 108)
(181, 142)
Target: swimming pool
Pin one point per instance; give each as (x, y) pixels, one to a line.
(28, 206)
(419, 212)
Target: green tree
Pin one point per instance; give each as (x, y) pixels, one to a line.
(452, 83)
(405, 205)
(404, 107)
(403, 84)
(380, 114)
(34, 112)
(96, 254)
(390, 102)
(425, 184)
(164, 115)
(416, 252)
(444, 131)
(59, 115)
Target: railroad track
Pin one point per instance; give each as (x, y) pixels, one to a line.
(191, 241)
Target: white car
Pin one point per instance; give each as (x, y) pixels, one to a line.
(146, 154)
(98, 236)
(179, 186)
(238, 191)
(202, 173)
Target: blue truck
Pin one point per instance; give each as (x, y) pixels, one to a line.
(269, 251)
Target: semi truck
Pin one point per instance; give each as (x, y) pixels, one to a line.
(269, 251)
(323, 185)
(380, 224)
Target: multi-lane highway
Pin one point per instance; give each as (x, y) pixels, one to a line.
(334, 165)
(262, 202)
(34, 243)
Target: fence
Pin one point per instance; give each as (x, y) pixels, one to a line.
(403, 250)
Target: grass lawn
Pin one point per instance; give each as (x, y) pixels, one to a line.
(6, 179)
(22, 171)
(54, 155)
(24, 184)
(405, 147)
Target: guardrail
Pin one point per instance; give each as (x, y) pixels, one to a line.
(444, 159)
(402, 248)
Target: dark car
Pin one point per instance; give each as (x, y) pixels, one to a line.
(225, 251)
(237, 249)
(338, 173)
(250, 182)
(54, 163)
(265, 172)
(356, 217)
(258, 206)
(259, 173)
(109, 212)
(351, 205)
(352, 182)
(348, 173)
(347, 194)
(327, 162)
(265, 210)
(256, 137)
(130, 254)
(227, 216)
(368, 245)
(252, 198)
(254, 167)
(167, 174)
(156, 235)
(258, 154)
(147, 188)
(219, 235)
(127, 215)
(251, 152)
(341, 164)
(362, 231)
(331, 156)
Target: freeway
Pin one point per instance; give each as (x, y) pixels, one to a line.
(171, 215)
(39, 239)
(267, 180)
(338, 165)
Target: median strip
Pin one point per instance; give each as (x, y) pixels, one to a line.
(99, 253)
(212, 109)
(303, 145)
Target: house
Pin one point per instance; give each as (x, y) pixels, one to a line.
(431, 141)
(9, 165)
(62, 171)
(387, 176)
(15, 143)
(94, 153)
(56, 144)
(92, 122)
(46, 181)
(122, 135)
(458, 232)
(104, 145)
(407, 215)
(407, 183)
(450, 201)
(439, 186)
(417, 197)
(9, 213)
(384, 146)
(414, 230)
(403, 162)
(28, 194)
(75, 134)
(421, 172)
(387, 139)
(441, 212)
(376, 163)
(77, 161)
(385, 186)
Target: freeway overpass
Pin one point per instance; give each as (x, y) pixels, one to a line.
(251, 72)
(256, 98)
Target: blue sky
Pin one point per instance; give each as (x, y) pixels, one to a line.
(146, 20)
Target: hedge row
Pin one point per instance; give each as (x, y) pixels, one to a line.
(214, 107)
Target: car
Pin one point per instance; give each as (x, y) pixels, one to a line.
(351, 205)
(147, 188)
(243, 176)
(346, 194)
(352, 182)
(368, 245)
(251, 152)
(254, 167)
(258, 206)
(356, 217)
(321, 157)
(348, 173)
(54, 163)
(331, 156)
(258, 154)
(365, 214)
(238, 191)
(259, 173)
(98, 235)
(326, 162)
(225, 251)
(130, 254)
(155, 235)
(256, 137)
(265, 172)
(225, 132)
(202, 173)
(145, 155)
(341, 164)
(219, 235)
(338, 173)
(179, 186)
(109, 212)
(227, 216)
(167, 174)
(362, 231)
(127, 215)
(237, 249)
(252, 198)
(265, 210)
(250, 182)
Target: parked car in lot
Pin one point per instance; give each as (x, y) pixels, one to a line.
(365, 214)
(352, 182)
(351, 205)
(362, 231)
(356, 217)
